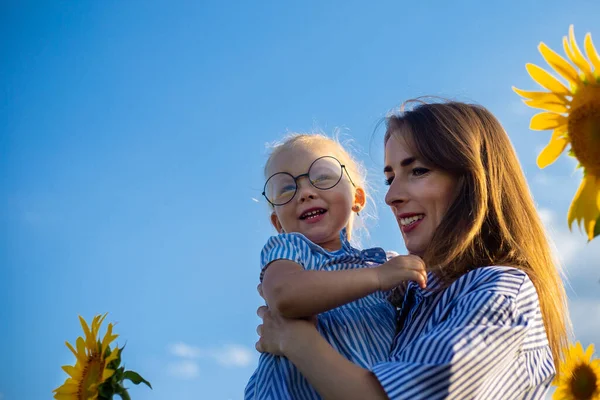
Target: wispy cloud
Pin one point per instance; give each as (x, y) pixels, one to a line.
(254, 199)
(517, 107)
(567, 244)
(585, 314)
(231, 355)
(186, 351)
(578, 258)
(542, 179)
(184, 369)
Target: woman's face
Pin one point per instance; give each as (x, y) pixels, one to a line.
(419, 194)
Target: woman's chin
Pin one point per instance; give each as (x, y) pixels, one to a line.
(415, 249)
(416, 253)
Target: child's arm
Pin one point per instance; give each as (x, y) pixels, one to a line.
(296, 293)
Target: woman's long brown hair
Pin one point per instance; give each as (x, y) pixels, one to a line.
(493, 220)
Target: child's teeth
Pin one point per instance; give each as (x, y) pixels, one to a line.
(312, 214)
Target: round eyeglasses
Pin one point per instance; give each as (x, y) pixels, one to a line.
(324, 173)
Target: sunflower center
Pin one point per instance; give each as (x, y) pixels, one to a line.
(584, 128)
(583, 383)
(92, 376)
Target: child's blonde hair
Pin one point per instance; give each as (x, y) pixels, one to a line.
(356, 170)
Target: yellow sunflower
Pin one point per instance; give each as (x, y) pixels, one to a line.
(573, 113)
(579, 377)
(92, 359)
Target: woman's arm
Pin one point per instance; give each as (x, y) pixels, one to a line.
(331, 374)
(489, 342)
(296, 293)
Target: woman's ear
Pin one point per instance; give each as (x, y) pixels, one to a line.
(276, 223)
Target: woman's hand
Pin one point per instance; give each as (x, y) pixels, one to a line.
(276, 330)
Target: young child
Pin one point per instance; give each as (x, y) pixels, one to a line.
(310, 268)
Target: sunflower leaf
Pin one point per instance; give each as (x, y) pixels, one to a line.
(105, 392)
(114, 364)
(136, 378)
(119, 374)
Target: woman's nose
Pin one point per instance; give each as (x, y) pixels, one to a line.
(395, 194)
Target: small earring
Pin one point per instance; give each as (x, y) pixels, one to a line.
(356, 209)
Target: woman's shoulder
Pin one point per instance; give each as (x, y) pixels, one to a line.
(508, 281)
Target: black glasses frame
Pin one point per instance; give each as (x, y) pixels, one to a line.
(307, 175)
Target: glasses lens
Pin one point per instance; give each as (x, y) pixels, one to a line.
(280, 188)
(325, 173)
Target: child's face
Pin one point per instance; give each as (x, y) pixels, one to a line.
(334, 206)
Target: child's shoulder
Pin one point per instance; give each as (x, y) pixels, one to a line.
(290, 241)
(298, 243)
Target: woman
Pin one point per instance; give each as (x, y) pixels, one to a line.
(492, 322)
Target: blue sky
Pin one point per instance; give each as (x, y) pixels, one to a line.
(132, 140)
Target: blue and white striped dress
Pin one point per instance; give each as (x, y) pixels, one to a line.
(480, 338)
(362, 330)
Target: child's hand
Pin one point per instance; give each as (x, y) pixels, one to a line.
(400, 269)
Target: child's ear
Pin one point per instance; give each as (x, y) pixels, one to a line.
(360, 199)
(276, 223)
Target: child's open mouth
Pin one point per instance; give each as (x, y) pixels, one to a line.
(313, 214)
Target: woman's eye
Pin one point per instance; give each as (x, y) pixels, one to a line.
(388, 181)
(419, 171)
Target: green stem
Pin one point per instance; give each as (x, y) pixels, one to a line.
(122, 392)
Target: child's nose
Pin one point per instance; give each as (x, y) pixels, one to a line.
(305, 189)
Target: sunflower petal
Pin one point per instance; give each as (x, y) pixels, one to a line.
(546, 80)
(552, 150)
(99, 321)
(572, 57)
(113, 356)
(567, 49)
(80, 343)
(577, 56)
(598, 193)
(80, 357)
(550, 102)
(591, 53)
(108, 338)
(589, 352)
(528, 94)
(96, 324)
(560, 394)
(584, 208)
(559, 64)
(90, 335)
(67, 388)
(84, 325)
(74, 372)
(70, 396)
(547, 120)
(107, 374)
